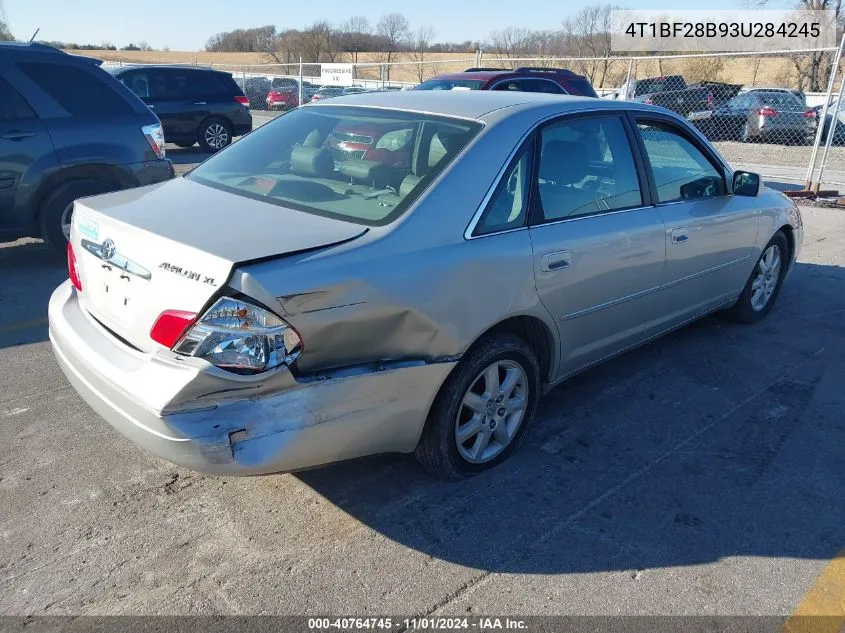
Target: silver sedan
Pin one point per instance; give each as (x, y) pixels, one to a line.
(415, 288)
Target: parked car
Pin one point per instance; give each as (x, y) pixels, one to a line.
(673, 93)
(327, 92)
(385, 143)
(759, 115)
(839, 128)
(524, 79)
(368, 308)
(195, 105)
(68, 129)
(284, 93)
(255, 89)
(354, 90)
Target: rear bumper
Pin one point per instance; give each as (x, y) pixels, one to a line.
(186, 413)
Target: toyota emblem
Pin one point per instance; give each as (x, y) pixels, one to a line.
(107, 249)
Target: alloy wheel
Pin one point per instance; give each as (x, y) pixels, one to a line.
(766, 278)
(491, 411)
(216, 136)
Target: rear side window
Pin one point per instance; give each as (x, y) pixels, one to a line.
(80, 92)
(207, 83)
(541, 85)
(13, 106)
(586, 167)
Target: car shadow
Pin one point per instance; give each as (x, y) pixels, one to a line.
(29, 271)
(719, 440)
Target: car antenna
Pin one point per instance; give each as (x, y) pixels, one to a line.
(33, 35)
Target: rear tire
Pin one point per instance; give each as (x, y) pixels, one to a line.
(763, 285)
(57, 208)
(214, 134)
(491, 414)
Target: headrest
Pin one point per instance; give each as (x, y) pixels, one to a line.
(311, 161)
(564, 162)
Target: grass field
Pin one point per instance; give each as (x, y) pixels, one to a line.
(748, 70)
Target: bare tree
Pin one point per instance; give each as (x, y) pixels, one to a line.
(589, 32)
(421, 42)
(394, 30)
(5, 33)
(356, 34)
(510, 42)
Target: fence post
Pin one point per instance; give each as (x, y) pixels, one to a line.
(381, 72)
(300, 81)
(834, 120)
(630, 76)
(808, 184)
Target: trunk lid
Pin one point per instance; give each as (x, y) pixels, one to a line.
(172, 246)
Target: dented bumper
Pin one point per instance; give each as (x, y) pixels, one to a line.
(205, 419)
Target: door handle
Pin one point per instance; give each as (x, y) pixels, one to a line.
(199, 103)
(555, 261)
(17, 135)
(679, 236)
(151, 106)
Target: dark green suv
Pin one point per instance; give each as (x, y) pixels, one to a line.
(68, 129)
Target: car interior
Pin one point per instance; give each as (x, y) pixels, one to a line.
(312, 176)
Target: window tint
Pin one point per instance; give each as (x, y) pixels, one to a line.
(541, 85)
(511, 84)
(586, 166)
(79, 91)
(209, 83)
(450, 84)
(508, 207)
(137, 82)
(13, 106)
(680, 170)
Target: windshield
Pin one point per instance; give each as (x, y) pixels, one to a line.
(450, 84)
(357, 164)
(780, 99)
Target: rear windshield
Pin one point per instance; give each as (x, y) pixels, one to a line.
(362, 165)
(781, 99)
(659, 84)
(450, 84)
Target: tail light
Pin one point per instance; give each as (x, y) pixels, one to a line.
(273, 95)
(237, 336)
(649, 101)
(72, 268)
(155, 137)
(768, 111)
(242, 100)
(170, 325)
(710, 99)
(809, 114)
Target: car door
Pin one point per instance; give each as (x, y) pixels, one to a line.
(26, 153)
(710, 234)
(598, 242)
(170, 99)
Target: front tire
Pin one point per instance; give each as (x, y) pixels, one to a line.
(57, 209)
(762, 288)
(483, 410)
(215, 134)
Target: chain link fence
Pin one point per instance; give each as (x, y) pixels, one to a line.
(779, 113)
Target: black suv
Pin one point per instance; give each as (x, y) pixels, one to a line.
(68, 129)
(194, 104)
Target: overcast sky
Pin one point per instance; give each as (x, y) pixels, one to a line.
(187, 24)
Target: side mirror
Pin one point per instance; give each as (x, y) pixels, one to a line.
(746, 183)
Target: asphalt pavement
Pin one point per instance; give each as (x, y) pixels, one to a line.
(701, 474)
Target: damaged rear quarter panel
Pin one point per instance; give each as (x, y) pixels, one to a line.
(384, 298)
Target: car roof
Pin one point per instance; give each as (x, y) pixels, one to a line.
(473, 104)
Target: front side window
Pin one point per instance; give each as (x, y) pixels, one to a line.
(80, 92)
(586, 167)
(681, 171)
(357, 164)
(508, 206)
